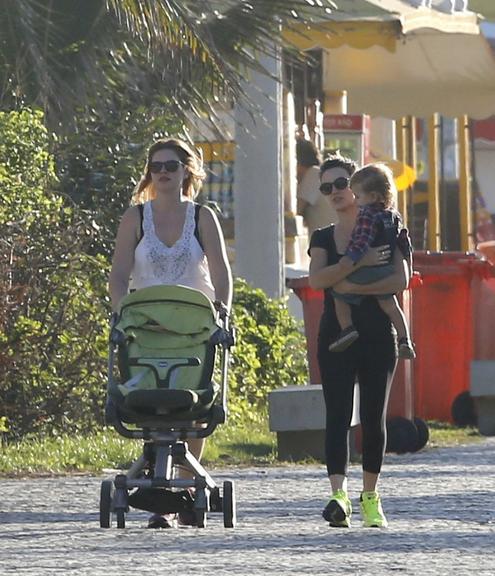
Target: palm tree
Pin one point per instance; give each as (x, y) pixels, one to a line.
(57, 53)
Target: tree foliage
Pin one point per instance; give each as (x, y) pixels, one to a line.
(52, 293)
(270, 352)
(58, 54)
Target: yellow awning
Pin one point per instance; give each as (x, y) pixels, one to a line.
(362, 24)
(333, 34)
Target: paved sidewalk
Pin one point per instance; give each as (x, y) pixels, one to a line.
(440, 504)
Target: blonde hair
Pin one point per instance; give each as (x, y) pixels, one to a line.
(192, 161)
(377, 178)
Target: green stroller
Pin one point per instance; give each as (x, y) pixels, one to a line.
(164, 346)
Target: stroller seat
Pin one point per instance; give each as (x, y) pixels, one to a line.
(166, 337)
(165, 343)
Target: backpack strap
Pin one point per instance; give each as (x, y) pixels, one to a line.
(141, 215)
(197, 208)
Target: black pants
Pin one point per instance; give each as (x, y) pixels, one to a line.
(370, 361)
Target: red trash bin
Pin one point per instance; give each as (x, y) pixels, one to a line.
(312, 303)
(443, 329)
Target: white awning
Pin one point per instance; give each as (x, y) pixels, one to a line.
(400, 60)
(428, 72)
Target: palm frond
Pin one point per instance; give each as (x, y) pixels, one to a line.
(61, 53)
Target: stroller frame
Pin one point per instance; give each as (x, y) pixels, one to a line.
(165, 449)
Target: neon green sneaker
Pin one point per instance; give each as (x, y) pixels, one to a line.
(338, 511)
(372, 511)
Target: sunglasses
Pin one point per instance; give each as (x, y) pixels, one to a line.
(340, 183)
(168, 165)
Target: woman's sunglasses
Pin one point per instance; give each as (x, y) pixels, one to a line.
(168, 165)
(340, 183)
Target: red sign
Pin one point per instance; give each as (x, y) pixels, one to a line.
(484, 129)
(344, 122)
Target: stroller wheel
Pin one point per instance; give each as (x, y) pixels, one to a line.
(106, 495)
(229, 504)
(216, 500)
(120, 513)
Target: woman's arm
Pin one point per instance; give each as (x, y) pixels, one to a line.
(397, 282)
(216, 253)
(123, 256)
(322, 276)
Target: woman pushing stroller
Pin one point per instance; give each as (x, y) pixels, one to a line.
(168, 239)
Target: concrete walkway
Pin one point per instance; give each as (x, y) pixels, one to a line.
(440, 504)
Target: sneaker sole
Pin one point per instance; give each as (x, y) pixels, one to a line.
(407, 354)
(375, 525)
(335, 516)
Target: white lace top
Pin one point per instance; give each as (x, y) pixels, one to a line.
(183, 263)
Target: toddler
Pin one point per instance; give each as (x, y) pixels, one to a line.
(377, 224)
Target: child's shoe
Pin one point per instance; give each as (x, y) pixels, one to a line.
(406, 349)
(372, 511)
(338, 511)
(344, 339)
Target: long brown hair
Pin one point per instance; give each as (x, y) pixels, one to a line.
(192, 161)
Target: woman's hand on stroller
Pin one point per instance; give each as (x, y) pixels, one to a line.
(221, 308)
(116, 336)
(114, 318)
(223, 337)
(226, 334)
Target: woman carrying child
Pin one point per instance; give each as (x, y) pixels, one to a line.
(371, 359)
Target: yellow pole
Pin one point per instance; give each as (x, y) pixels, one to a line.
(465, 211)
(401, 145)
(411, 160)
(412, 155)
(433, 185)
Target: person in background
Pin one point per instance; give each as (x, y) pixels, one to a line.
(371, 359)
(166, 238)
(311, 204)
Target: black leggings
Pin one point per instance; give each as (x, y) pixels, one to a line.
(372, 362)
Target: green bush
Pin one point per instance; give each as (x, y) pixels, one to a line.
(270, 352)
(52, 293)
